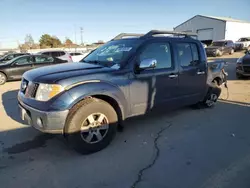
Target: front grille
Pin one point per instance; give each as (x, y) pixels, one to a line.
(246, 69)
(31, 90)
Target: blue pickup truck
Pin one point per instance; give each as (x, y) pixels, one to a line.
(128, 76)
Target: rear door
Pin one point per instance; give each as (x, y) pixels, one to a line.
(192, 72)
(41, 60)
(20, 66)
(154, 87)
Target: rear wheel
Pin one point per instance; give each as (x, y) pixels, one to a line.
(3, 78)
(91, 126)
(212, 95)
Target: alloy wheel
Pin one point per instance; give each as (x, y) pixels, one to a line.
(212, 99)
(94, 128)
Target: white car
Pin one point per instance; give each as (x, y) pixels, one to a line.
(77, 56)
(243, 44)
(58, 54)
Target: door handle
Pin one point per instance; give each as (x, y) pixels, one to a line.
(200, 72)
(173, 76)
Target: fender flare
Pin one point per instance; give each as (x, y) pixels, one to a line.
(90, 89)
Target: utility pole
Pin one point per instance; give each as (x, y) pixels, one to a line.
(75, 38)
(81, 31)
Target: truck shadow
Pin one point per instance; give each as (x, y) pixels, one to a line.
(10, 104)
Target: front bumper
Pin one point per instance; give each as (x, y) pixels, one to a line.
(47, 122)
(241, 72)
(211, 53)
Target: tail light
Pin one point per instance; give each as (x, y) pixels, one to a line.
(70, 57)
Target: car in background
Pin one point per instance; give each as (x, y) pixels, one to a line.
(218, 48)
(243, 66)
(11, 56)
(60, 54)
(204, 45)
(243, 44)
(14, 69)
(77, 56)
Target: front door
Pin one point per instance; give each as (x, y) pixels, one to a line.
(192, 72)
(20, 66)
(151, 87)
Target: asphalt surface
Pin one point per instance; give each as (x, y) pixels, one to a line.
(191, 148)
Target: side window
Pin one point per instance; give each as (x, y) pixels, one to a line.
(55, 54)
(62, 53)
(46, 53)
(9, 57)
(195, 52)
(184, 54)
(160, 52)
(23, 61)
(43, 59)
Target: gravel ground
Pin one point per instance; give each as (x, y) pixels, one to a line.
(188, 148)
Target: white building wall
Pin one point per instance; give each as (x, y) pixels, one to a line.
(199, 23)
(236, 30)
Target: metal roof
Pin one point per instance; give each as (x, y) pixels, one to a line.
(226, 19)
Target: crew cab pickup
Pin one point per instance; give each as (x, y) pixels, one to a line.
(128, 76)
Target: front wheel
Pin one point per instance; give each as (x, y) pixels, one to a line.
(231, 51)
(91, 126)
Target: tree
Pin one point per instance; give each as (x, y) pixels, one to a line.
(45, 41)
(68, 42)
(55, 42)
(28, 41)
(49, 41)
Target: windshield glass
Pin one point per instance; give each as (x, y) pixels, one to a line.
(113, 52)
(218, 43)
(243, 39)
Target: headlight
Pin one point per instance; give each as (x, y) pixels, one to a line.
(47, 91)
(239, 60)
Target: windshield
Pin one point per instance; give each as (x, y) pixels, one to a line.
(218, 43)
(243, 39)
(113, 52)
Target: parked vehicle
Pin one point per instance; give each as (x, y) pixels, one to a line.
(243, 66)
(218, 48)
(77, 56)
(58, 54)
(243, 44)
(125, 77)
(204, 45)
(11, 56)
(14, 69)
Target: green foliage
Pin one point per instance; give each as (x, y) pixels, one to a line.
(49, 41)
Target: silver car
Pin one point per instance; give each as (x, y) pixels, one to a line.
(60, 54)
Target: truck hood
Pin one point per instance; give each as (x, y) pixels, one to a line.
(55, 73)
(246, 59)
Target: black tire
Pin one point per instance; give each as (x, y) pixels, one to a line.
(219, 53)
(79, 115)
(239, 76)
(3, 78)
(213, 94)
(231, 52)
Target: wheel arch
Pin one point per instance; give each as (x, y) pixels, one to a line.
(218, 80)
(4, 74)
(104, 91)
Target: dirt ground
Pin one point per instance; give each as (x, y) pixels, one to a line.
(205, 148)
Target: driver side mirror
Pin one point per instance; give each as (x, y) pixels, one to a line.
(148, 64)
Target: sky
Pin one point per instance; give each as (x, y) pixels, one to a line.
(104, 19)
